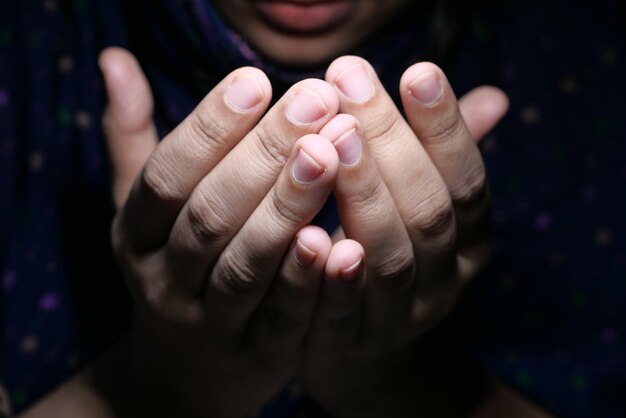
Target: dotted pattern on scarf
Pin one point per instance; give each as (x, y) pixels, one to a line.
(548, 316)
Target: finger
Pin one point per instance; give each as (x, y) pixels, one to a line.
(369, 216)
(130, 132)
(433, 113)
(247, 266)
(482, 109)
(224, 200)
(280, 325)
(419, 192)
(338, 316)
(190, 152)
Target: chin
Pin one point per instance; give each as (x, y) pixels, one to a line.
(302, 51)
(307, 33)
(301, 57)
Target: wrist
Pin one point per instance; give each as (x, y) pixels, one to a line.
(109, 385)
(386, 386)
(422, 379)
(176, 379)
(156, 371)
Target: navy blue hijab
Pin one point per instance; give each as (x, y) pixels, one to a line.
(547, 316)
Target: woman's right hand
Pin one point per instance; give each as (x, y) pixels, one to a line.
(211, 233)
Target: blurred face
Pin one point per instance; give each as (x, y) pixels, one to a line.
(307, 32)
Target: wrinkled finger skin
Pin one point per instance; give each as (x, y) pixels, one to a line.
(414, 206)
(212, 234)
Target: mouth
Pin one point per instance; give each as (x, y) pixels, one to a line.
(302, 17)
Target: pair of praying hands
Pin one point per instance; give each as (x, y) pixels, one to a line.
(236, 294)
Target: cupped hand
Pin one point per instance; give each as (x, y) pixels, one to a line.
(211, 233)
(413, 203)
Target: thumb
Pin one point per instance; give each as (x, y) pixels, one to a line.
(482, 109)
(128, 126)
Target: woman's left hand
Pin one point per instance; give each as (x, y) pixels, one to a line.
(413, 202)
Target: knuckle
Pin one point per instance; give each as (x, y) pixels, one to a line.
(236, 278)
(398, 267)
(206, 221)
(156, 179)
(434, 216)
(126, 246)
(287, 213)
(385, 126)
(444, 128)
(208, 125)
(271, 146)
(155, 299)
(369, 201)
(473, 194)
(166, 308)
(426, 313)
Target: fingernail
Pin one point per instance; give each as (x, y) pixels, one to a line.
(306, 169)
(355, 83)
(303, 255)
(349, 147)
(353, 272)
(306, 107)
(427, 89)
(244, 93)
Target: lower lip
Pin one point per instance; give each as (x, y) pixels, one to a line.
(305, 17)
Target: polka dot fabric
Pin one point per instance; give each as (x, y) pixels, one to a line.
(547, 316)
(54, 202)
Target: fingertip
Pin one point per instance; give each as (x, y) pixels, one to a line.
(107, 56)
(339, 65)
(338, 126)
(312, 246)
(346, 260)
(424, 84)
(321, 91)
(498, 102)
(315, 238)
(248, 85)
(321, 150)
(130, 98)
(418, 69)
(482, 108)
(343, 131)
(260, 76)
(117, 64)
(354, 78)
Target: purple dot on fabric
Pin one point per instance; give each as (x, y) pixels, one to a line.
(588, 193)
(9, 279)
(4, 98)
(543, 221)
(608, 336)
(49, 302)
